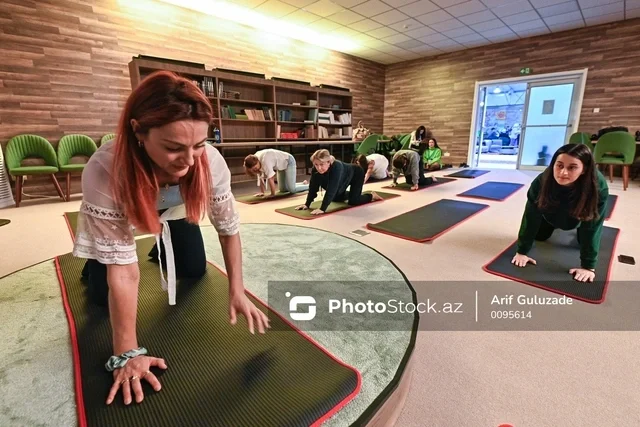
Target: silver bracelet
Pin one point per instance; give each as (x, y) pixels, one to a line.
(117, 362)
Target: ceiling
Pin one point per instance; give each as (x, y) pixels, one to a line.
(390, 31)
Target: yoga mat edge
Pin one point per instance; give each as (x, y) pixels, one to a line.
(555, 291)
(77, 364)
(428, 239)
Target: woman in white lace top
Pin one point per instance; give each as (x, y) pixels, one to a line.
(158, 176)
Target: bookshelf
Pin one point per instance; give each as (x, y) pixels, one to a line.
(252, 112)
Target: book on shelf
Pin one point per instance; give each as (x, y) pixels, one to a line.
(207, 86)
(333, 119)
(284, 115)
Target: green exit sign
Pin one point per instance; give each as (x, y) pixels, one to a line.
(526, 70)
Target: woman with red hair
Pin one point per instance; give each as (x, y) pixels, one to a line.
(158, 176)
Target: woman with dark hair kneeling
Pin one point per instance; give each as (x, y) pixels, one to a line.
(571, 193)
(432, 156)
(160, 176)
(334, 177)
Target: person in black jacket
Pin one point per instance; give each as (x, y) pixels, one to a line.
(334, 177)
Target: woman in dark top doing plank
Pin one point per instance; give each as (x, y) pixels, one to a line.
(334, 177)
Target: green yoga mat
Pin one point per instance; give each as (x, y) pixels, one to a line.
(428, 222)
(406, 187)
(554, 258)
(4, 222)
(218, 374)
(253, 200)
(333, 207)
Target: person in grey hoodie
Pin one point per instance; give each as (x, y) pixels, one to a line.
(409, 163)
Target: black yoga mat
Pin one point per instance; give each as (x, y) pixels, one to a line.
(492, 190)
(254, 200)
(611, 205)
(468, 173)
(406, 187)
(218, 374)
(4, 222)
(428, 222)
(554, 258)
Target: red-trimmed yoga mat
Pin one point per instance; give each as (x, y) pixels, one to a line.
(611, 205)
(218, 374)
(493, 190)
(428, 222)
(333, 207)
(468, 173)
(554, 258)
(406, 187)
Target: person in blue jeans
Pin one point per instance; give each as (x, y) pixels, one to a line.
(268, 164)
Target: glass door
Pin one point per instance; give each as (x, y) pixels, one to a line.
(550, 111)
(479, 144)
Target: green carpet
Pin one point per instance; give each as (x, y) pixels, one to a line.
(333, 207)
(218, 374)
(4, 222)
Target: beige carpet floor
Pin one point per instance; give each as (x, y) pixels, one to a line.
(527, 379)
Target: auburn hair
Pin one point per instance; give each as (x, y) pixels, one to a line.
(584, 196)
(161, 98)
(361, 160)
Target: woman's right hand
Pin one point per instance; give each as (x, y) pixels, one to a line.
(302, 208)
(522, 260)
(131, 375)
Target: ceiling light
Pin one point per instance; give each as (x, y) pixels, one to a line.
(251, 18)
(497, 90)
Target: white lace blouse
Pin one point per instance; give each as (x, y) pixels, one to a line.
(104, 234)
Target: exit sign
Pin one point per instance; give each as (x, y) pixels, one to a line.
(526, 70)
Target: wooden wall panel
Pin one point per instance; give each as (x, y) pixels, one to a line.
(438, 92)
(64, 66)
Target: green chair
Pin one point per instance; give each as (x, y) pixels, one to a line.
(368, 145)
(107, 137)
(581, 138)
(405, 141)
(70, 146)
(24, 146)
(616, 148)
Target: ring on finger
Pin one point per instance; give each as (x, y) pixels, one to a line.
(135, 377)
(145, 374)
(124, 381)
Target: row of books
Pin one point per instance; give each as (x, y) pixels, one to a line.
(207, 86)
(265, 113)
(331, 118)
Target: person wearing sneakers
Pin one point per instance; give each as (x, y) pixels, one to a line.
(334, 177)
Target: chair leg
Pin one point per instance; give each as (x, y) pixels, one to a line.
(611, 173)
(68, 186)
(57, 185)
(625, 176)
(18, 190)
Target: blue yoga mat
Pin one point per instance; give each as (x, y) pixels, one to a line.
(492, 190)
(468, 173)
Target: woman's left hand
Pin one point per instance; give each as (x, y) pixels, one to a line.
(240, 304)
(317, 212)
(582, 274)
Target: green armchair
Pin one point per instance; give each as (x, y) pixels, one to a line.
(581, 138)
(23, 146)
(107, 137)
(616, 148)
(368, 145)
(68, 147)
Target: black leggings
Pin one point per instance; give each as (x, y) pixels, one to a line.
(188, 253)
(354, 196)
(546, 230)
